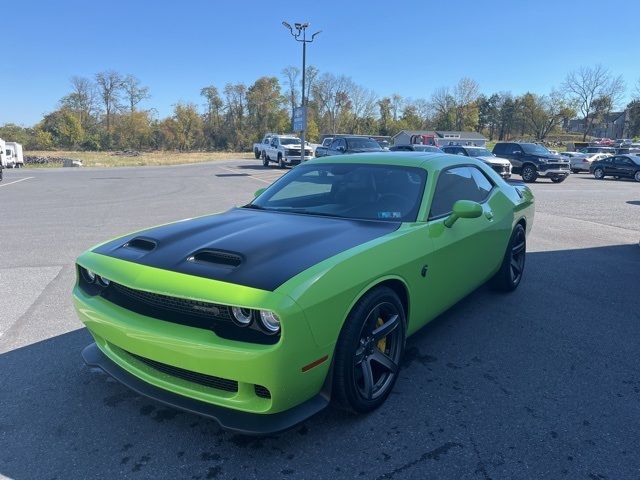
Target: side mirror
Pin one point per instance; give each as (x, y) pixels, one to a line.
(463, 209)
(259, 192)
(340, 149)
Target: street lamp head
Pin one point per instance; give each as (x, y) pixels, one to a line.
(314, 35)
(298, 25)
(286, 25)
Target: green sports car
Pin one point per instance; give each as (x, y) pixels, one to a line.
(261, 316)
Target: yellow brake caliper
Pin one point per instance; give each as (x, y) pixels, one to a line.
(382, 343)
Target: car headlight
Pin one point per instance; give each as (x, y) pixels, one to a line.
(543, 160)
(241, 316)
(88, 275)
(269, 322)
(103, 282)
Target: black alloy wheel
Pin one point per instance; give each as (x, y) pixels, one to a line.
(529, 174)
(369, 350)
(510, 274)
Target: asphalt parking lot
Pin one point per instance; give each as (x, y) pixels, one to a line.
(542, 383)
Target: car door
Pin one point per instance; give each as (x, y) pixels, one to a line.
(466, 254)
(624, 166)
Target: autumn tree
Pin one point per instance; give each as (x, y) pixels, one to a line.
(134, 93)
(109, 88)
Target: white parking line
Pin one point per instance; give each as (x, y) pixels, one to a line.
(15, 181)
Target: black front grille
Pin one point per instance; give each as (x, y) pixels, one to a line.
(204, 310)
(556, 166)
(192, 313)
(501, 168)
(262, 392)
(188, 375)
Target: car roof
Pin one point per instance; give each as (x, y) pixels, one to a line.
(435, 160)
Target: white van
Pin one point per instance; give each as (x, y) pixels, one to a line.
(13, 151)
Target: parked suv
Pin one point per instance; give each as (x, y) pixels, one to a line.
(531, 161)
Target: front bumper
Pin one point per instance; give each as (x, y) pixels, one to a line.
(296, 159)
(554, 172)
(241, 422)
(124, 337)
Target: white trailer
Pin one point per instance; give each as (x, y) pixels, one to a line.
(13, 151)
(3, 156)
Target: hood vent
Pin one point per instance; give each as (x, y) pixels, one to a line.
(217, 257)
(139, 243)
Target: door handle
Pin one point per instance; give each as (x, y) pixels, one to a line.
(489, 214)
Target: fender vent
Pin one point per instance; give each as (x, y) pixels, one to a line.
(140, 243)
(216, 257)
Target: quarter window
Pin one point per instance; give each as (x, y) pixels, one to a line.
(458, 183)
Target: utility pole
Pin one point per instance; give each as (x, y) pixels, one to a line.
(300, 35)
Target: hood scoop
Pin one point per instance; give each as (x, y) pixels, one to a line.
(140, 243)
(216, 257)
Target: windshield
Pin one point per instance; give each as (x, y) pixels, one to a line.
(361, 143)
(426, 148)
(478, 152)
(289, 141)
(349, 190)
(535, 149)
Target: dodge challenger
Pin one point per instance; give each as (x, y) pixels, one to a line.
(261, 316)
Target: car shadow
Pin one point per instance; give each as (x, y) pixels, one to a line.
(498, 373)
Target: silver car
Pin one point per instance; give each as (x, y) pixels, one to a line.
(502, 166)
(582, 161)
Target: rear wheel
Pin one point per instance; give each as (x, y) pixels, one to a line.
(510, 274)
(368, 352)
(558, 179)
(265, 159)
(598, 173)
(575, 170)
(529, 173)
(636, 177)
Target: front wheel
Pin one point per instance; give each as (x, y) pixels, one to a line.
(265, 159)
(575, 170)
(256, 153)
(281, 161)
(558, 179)
(529, 174)
(598, 173)
(368, 352)
(510, 274)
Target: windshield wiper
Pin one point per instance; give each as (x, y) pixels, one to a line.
(255, 207)
(307, 212)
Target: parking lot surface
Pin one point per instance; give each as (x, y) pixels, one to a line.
(542, 383)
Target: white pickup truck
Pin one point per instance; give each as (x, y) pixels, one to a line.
(260, 147)
(285, 151)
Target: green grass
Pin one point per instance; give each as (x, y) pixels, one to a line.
(107, 159)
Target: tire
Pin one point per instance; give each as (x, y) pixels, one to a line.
(598, 173)
(281, 161)
(509, 276)
(636, 176)
(573, 170)
(265, 159)
(558, 179)
(366, 364)
(256, 153)
(529, 174)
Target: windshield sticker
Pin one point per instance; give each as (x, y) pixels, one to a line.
(388, 215)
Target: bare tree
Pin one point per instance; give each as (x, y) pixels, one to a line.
(363, 105)
(310, 79)
(134, 92)
(636, 92)
(330, 93)
(465, 94)
(109, 87)
(291, 75)
(588, 86)
(81, 100)
(397, 102)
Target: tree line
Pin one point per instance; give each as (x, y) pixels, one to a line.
(105, 112)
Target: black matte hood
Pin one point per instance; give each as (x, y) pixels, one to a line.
(255, 248)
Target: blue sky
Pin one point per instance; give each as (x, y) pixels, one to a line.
(407, 47)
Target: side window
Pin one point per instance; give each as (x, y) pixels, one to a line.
(458, 183)
(342, 143)
(500, 149)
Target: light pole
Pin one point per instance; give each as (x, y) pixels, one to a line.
(300, 35)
